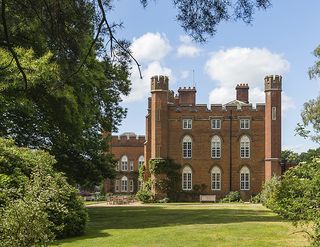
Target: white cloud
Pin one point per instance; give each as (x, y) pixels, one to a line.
(187, 49)
(249, 65)
(184, 74)
(150, 47)
(245, 65)
(141, 87)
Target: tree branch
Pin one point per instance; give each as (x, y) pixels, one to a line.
(7, 43)
(112, 38)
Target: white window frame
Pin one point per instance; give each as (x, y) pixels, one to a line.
(244, 178)
(245, 147)
(216, 178)
(216, 123)
(216, 147)
(131, 187)
(187, 147)
(187, 124)
(244, 123)
(124, 163)
(274, 113)
(117, 186)
(141, 160)
(131, 165)
(124, 184)
(187, 178)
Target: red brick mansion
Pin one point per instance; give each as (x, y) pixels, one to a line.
(230, 147)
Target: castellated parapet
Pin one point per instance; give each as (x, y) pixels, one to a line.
(128, 139)
(273, 82)
(159, 83)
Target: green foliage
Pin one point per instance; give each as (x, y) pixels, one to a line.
(141, 172)
(256, 198)
(289, 156)
(232, 196)
(297, 197)
(145, 194)
(168, 173)
(27, 177)
(314, 71)
(269, 192)
(69, 97)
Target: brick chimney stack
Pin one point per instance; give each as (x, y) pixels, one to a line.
(187, 96)
(243, 92)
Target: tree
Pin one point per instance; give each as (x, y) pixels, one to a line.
(58, 95)
(311, 110)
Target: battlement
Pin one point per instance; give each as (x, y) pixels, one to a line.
(273, 82)
(159, 83)
(128, 139)
(242, 85)
(189, 89)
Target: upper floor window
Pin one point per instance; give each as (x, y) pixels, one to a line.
(124, 184)
(187, 147)
(187, 123)
(244, 178)
(141, 160)
(216, 147)
(124, 163)
(216, 178)
(187, 178)
(245, 147)
(274, 113)
(131, 165)
(216, 123)
(244, 123)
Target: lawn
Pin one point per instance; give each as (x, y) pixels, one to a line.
(186, 225)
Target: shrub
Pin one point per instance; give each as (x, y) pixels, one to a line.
(256, 199)
(232, 196)
(28, 176)
(269, 193)
(145, 196)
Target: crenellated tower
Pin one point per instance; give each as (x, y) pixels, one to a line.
(273, 88)
(159, 116)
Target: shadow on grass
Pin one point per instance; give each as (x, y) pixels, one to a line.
(103, 219)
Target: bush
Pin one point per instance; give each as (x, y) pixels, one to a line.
(145, 196)
(232, 196)
(256, 199)
(27, 176)
(268, 195)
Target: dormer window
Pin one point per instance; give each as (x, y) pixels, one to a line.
(187, 123)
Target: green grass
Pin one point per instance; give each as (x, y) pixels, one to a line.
(186, 225)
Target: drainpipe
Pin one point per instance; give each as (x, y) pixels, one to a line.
(230, 151)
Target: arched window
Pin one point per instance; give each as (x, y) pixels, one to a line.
(216, 178)
(245, 147)
(187, 147)
(216, 147)
(244, 178)
(124, 184)
(124, 163)
(141, 160)
(187, 178)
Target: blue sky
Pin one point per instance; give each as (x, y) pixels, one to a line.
(279, 41)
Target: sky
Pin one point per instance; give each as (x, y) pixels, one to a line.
(280, 40)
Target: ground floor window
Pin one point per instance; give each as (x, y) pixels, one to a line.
(116, 187)
(131, 186)
(216, 178)
(244, 178)
(187, 178)
(124, 184)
